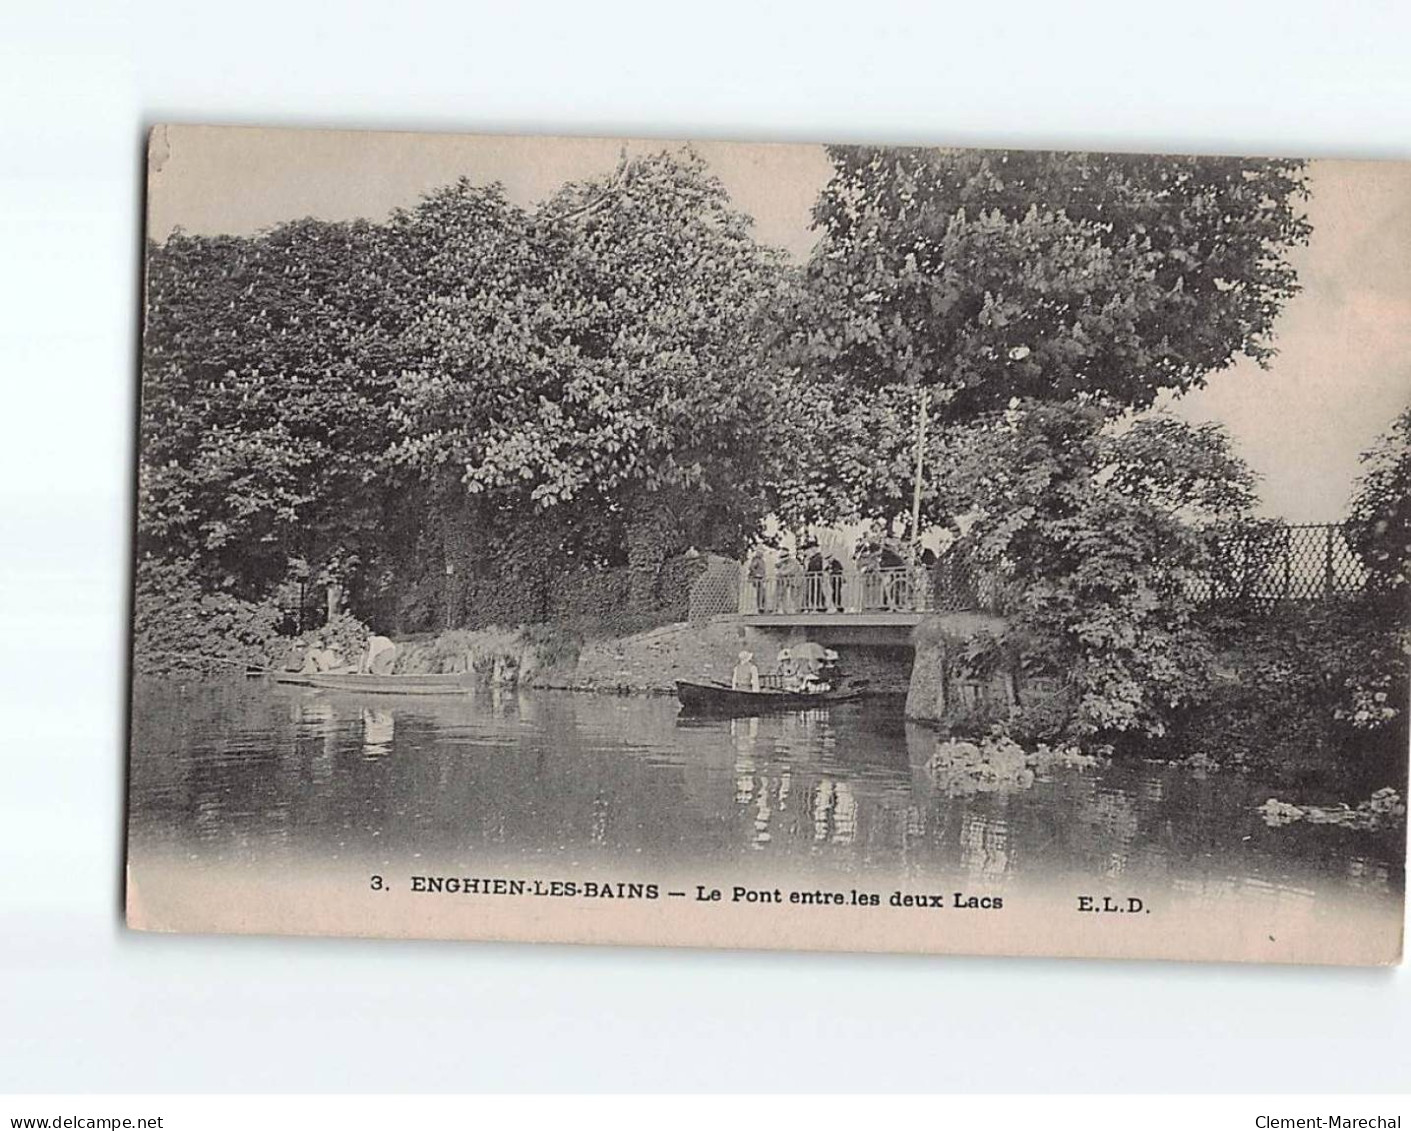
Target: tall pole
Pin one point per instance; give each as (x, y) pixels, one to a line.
(920, 462)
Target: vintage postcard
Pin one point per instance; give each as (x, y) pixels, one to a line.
(793, 546)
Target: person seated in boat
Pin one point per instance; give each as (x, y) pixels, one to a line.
(313, 657)
(324, 658)
(788, 670)
(808, 668)
(294, 656)
(745, 677)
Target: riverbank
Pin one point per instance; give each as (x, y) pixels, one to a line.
(558, 658)
(1312, 779)
(1283, 719)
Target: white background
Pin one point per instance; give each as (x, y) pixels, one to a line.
(86, 1005)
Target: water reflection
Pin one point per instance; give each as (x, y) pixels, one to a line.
(379, 729)
(265, 774)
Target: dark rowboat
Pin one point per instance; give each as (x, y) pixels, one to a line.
(433, 684)
(721, 699)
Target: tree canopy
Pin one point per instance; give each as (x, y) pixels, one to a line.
(1103, 278)
(613, 340)
(986, 277)
(587, 377)
(1380, 519)
(268, 364)
(1105, 537)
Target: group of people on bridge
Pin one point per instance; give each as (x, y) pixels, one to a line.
(878, 576)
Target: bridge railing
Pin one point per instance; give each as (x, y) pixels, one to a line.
(894, 589)
(1257, 566)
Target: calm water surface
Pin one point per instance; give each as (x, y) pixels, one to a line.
(257, 775)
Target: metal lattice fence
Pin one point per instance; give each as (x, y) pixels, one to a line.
(1297, 562)
(715, 591)
(959, 586)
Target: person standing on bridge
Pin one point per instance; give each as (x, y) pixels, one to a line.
(790, 576)
(869, 568)
(755, 574)
(836, 571)
(893, 570)
(924, 584)
(814, 597)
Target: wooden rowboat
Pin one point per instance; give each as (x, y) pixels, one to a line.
(439, 683)
(721, 699)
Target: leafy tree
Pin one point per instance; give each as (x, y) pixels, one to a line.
(983, 277)
(1108, 536)
(599, 362)
(471, 385)
(482, 347)
(675, 415)
(267, 364)
(1380, 518)
(484, 340)
(1374, 679)
(1069, 276)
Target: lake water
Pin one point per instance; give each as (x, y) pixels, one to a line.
(258, 777)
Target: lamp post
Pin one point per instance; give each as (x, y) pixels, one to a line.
(922, 404)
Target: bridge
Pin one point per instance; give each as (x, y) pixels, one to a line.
(1260, 567)
(866, 613)
(869, 613)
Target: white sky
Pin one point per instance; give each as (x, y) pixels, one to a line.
(1344, 365)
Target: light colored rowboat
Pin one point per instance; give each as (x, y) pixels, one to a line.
(439, 683)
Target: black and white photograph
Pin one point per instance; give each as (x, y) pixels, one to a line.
(740, 564)
(845, 547)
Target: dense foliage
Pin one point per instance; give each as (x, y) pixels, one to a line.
(1040, 302)
(1377, 680)
(1380, 519)
(267, 368)
(1105, 537)
(471, 389)
(181, 626)
(985, 277)
(1072, 276)
(597, 369)
(1306, 686)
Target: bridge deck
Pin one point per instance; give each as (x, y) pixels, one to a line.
(871, 618)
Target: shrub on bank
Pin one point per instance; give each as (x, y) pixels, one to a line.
(1293, 693)
(179, 628)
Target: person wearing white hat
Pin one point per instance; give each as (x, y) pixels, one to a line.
(788, 669)
(745, 677)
